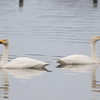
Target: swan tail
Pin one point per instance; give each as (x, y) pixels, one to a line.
(59, 61)
(40, 66)
(46, 64)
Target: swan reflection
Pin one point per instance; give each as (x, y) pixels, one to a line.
(17, 73)
(4, 89)
(95, 84)
(26, 73)
(76, 68)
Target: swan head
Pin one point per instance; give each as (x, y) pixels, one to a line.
(95, 38)
(4, 42)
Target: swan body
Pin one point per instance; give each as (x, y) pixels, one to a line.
(83, 59)
(77, 59)
(22, 62)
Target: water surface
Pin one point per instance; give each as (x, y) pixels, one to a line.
(48, 30)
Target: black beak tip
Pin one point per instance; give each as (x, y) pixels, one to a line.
(1, 43)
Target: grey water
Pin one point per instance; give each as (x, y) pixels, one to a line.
(48, 30)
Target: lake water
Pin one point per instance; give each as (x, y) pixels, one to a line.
(47, 30)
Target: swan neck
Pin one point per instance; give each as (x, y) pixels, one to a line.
(5, 54)
(93, 51)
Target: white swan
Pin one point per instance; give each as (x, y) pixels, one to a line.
(83, 59)
(22, 62)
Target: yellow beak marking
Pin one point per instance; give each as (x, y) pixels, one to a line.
(99, 37)
(2, 41)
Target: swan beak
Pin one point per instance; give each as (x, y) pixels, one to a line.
(2, 41)
(99, 37)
